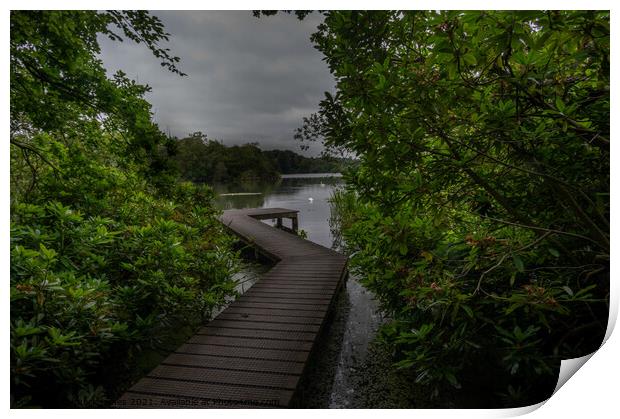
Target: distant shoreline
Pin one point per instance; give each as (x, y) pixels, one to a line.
(309, 175)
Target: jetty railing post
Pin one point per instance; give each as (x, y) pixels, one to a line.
(279, 223)
(294, 219)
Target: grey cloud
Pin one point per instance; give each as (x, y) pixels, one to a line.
(248, 79)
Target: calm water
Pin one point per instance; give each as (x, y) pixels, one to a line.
(308, 193)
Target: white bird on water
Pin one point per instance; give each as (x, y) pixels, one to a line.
(310, 199)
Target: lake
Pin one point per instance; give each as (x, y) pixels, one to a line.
(308, 193)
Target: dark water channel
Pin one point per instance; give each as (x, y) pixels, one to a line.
(333, 377)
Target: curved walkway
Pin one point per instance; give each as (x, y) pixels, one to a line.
(253, 354)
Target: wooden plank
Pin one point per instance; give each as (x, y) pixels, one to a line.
(301, 268)
(276, 306)
(339, 260)
(301, 282)
(259, 333)
(252, 353)
(310, 294)
(250, 298)
(283, 294)
(335, 274)
(275, 313)
(294, 290)
(267, 326)
(227, 315)
(292, 287)
(304, 280)
(325, 287)
(254, 343)
(310, 286)
(304, 283)
(263, 211)
(234, 364)
(272, 216)
(325, 262)
(259, 379)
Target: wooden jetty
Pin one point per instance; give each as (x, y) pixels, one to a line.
(254, 353)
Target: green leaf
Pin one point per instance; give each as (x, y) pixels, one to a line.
(560, 104)
(403, 249)
(470, 59)
(584, 291)
(452, 379)
(518, 262)
(468, 310)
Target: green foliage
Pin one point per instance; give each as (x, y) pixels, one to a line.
(207, 161)
(82, 286)
(288, 162)
(479, 214)
(108, 249)
(201, 160)
(57, 81)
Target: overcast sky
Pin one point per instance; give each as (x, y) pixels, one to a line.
(248, 79)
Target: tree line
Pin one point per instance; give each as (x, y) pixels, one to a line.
(204, 160)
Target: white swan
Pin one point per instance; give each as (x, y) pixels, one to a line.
(311, 199)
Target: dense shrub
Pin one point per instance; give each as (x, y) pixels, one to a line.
(479, 214)
(101, 264)
(86, 286)
(108, 249)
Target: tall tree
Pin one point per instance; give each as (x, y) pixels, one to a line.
(484, 180)
(57, 81)
(108, 250)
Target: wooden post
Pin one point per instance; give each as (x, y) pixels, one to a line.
(279, 224)
(294, 219)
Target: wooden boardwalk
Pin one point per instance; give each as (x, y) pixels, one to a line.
(253, 354)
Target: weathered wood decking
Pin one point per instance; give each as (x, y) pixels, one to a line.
(254, 353)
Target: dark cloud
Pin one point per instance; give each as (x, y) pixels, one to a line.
(248, 79)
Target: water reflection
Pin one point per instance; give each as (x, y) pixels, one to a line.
(307, 193)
